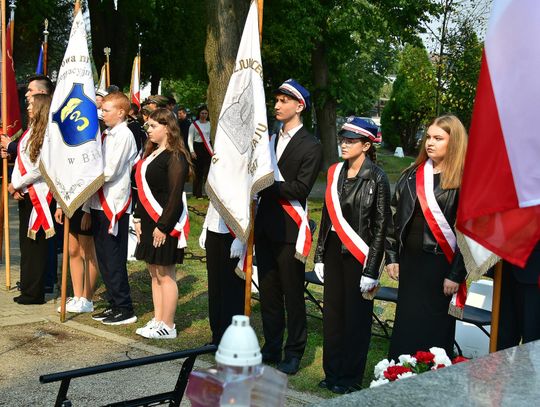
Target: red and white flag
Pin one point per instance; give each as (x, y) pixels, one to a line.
(499, 206)
(241, 164)
(135, 87)
(13, 122)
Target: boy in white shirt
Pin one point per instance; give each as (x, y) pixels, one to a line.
(110, 208)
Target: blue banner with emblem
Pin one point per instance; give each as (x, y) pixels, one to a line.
(71, 157)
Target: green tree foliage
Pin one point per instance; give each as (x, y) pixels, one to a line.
(29, 19)
(341, 50)
(188, 92)
(171, 33)
(412, 101)
(464, 56)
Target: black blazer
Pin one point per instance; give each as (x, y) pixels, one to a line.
(299, 164)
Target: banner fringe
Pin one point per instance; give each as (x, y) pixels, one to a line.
(474, 271)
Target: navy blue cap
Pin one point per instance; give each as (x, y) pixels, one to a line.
(357, 128)
(293, 89)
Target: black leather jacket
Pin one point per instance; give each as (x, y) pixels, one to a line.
(402, 205)
(367, 210)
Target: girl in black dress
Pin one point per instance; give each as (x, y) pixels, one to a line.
(421, 249)
(160, 217)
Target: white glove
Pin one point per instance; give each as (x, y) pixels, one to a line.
(202, 239)
(319, 271)
(367, 284)
(237, 248)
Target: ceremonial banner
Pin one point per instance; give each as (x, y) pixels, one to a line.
(241, 164)
(71, 160)
(39, 67)
(135, 87)
(499, 205)
(14, 124)
(102, 83)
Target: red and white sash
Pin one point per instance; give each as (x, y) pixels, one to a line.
(348, 236)
(111, 213)
(154, 209)
(437, 222)
(204, 138)
(295, 210)
(40, 196)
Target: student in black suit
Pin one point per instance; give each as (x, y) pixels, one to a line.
(519, 321)
(281, 274)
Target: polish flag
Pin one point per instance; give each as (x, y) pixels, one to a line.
(499, 206)
(135, 88)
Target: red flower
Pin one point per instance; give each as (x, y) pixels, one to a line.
(459, 359)
(392, 372)
(424, 357)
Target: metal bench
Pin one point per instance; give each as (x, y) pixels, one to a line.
(172, 398)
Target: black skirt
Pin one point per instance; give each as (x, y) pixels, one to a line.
(422, 319)
(75, 224)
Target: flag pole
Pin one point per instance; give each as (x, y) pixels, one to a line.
(45, 45)
(107, 52)
(4, 160)
(495, 307)
(65, 260)
(12, 7)
(249, 258)
(63, 287)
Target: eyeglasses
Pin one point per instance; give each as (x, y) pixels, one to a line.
(350, 141)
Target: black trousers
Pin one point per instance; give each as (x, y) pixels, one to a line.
(111, 254)
(202, 166)
(225, 288)
(34, 254)
(346, 317)
(281, 287)
(520, 304)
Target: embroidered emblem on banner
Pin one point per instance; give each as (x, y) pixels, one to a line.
(238, 118)
(77, 117)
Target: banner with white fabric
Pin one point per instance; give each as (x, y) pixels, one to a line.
(135, 88)
(71, 160)
(241, 163)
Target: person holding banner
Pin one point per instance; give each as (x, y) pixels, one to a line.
(201, 149)
(30, 189)
(161, 217)
(421, 249)
(107, 211)
(225, 287)
(282, 234)
(349, 253)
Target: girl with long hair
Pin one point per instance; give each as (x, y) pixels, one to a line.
(160, 217)
(30, 189)
(421, 250)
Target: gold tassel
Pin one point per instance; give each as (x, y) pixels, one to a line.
(455, 311)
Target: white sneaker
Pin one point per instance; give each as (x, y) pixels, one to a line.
(84, 306)
(149, 325)
(71, 303)
(161, 331)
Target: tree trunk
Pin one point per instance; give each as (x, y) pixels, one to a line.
(325, 106)
(225, 24)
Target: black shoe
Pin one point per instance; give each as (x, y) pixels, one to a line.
(270, 359)
(338, 389)
(323, 384)
(120, 317)
(290, 365)
(23, 300)
(100, 316)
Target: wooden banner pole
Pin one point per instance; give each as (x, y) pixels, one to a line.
(495, 308)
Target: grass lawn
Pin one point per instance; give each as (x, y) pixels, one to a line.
(192, 312)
